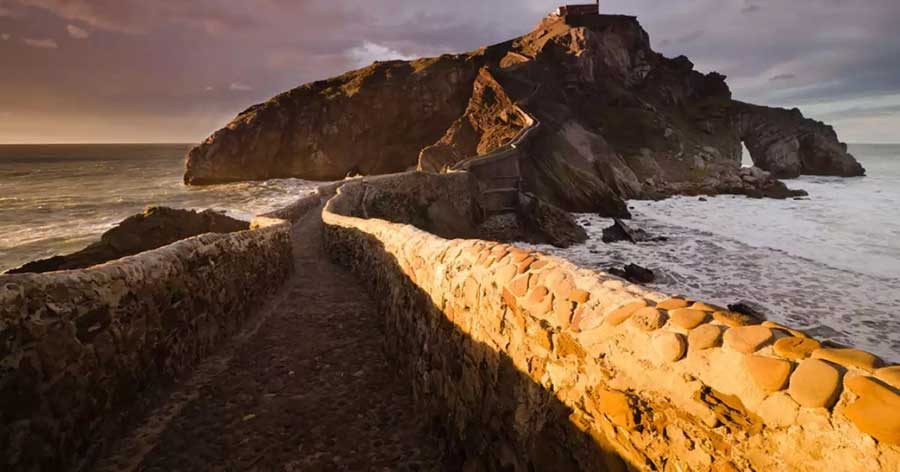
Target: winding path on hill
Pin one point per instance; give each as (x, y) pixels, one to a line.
(305, 386)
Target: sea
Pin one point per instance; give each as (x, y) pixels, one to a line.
(57, 199)
(828, 264)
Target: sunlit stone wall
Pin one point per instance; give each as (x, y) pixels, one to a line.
(527, 360)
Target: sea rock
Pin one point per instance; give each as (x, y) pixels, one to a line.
(749, 309)
(634, 273)
(549, 223)
(787, 144)
(734, 319)
(154, 228)
(619, 231)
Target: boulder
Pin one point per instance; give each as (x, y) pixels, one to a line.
(619, 231)
(634, 273)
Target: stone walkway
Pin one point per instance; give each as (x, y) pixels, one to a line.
(304, 387)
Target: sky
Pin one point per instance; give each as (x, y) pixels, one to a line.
(176, 70)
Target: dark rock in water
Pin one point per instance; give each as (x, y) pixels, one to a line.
(619, 231)
(748, 308)
(702, 199)
(156, 227)
(549, 223)
(634, 273)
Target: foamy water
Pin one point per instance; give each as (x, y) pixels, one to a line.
(58, 199)
(829, 264)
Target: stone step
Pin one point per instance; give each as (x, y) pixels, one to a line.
(501, 190)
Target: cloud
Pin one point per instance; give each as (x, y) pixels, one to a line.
(369, 52)
(283, 43)
(778, 77)
(142, 17)
(239, 87)
(76, 32)
(41, 43)
(863, 112)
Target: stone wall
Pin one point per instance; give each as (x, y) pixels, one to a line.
(531, 363)
(79, 348)
(299, 208)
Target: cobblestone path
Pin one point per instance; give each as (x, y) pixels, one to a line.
(305, 387)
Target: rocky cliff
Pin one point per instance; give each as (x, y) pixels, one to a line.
(619, 121)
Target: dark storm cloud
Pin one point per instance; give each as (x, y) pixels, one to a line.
(138, 69)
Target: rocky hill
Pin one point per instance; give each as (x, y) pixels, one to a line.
(618, 121)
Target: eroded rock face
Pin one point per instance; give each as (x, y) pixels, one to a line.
(156, 227)
(787, 144)
(618, 120)
(490, 121)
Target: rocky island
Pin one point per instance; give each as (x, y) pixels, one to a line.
(378, 322)
(618, 121)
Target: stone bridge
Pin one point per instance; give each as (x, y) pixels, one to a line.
(335, 335)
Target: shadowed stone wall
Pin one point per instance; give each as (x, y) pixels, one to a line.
(531, 363)
(79, 348)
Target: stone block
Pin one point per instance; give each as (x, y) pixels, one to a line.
(778, 410)
(579, 296)
(877, 410)
(705, 337)
(706, 307)
(648, 319)
(672, 304)
(849, 358)
(519, 285)
(562, 312)
(619, 315)
(768, 373)
(795, 348)
(567, 346)
(669, 347)
(687, 318)
(747, 339)
(616, 406)
(504, 274)
(815, 384)
(890, 375)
